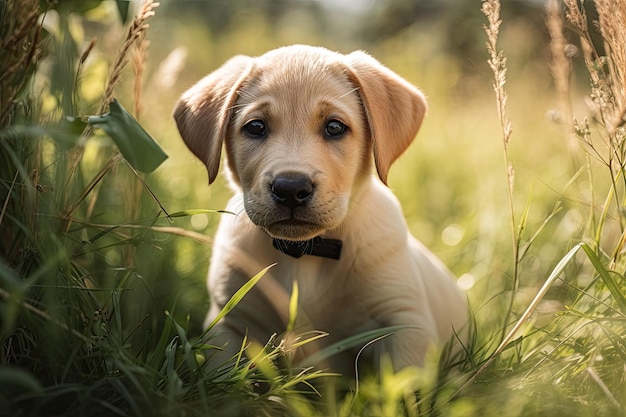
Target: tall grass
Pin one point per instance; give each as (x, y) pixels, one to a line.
(574, 364)
(98, 319)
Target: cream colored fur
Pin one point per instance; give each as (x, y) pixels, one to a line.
(384, 277)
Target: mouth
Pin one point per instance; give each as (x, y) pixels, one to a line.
(294, 223)
(293, 229)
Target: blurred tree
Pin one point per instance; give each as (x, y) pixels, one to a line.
(221, 15)
(459, 22)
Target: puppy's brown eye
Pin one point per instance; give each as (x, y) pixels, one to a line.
(255, 129)
(335, 129)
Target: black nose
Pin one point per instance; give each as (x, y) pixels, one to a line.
(292, 189)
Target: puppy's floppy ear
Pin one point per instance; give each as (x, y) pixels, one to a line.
(394, 108)
(203, 112)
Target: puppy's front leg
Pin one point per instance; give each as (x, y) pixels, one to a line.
(408, 347)
(405, 308)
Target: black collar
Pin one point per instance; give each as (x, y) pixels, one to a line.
(326, 248)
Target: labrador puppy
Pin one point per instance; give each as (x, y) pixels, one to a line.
(303, 129)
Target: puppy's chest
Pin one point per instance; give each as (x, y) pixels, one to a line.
(330, 298)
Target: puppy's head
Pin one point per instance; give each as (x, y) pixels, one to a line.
(300, 125)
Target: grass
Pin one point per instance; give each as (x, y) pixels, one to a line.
(102, 266)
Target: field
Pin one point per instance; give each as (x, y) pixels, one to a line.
(516, 181)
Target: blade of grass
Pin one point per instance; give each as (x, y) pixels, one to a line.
(6, 200)
(191, 212)
(107, 228)
(117, 312)
(556, 210)
(154, 356)
(237, 297)
(130, 398)
(190, 357)
(596, 378)
(293, 307)
(261, 360)
(603, 217)
(606, 277)
(146, 187)
(350, 342)
(67, 215)
(304, 339)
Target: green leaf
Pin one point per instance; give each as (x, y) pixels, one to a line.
(137, 146)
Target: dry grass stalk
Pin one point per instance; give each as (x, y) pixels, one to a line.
(134, 34)
(576, 16)
(560, 65)
(19, 53)
(612, 25)
(79, 69)
(140, 56)
(497, 62)
(172, 230)
(607, 71)
(133, 190)
(19, 49)
(612, 22)
(69, 212)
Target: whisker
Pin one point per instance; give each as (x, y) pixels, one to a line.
(236, 106)
(236, 205)
(248, 95)
(348, 93)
